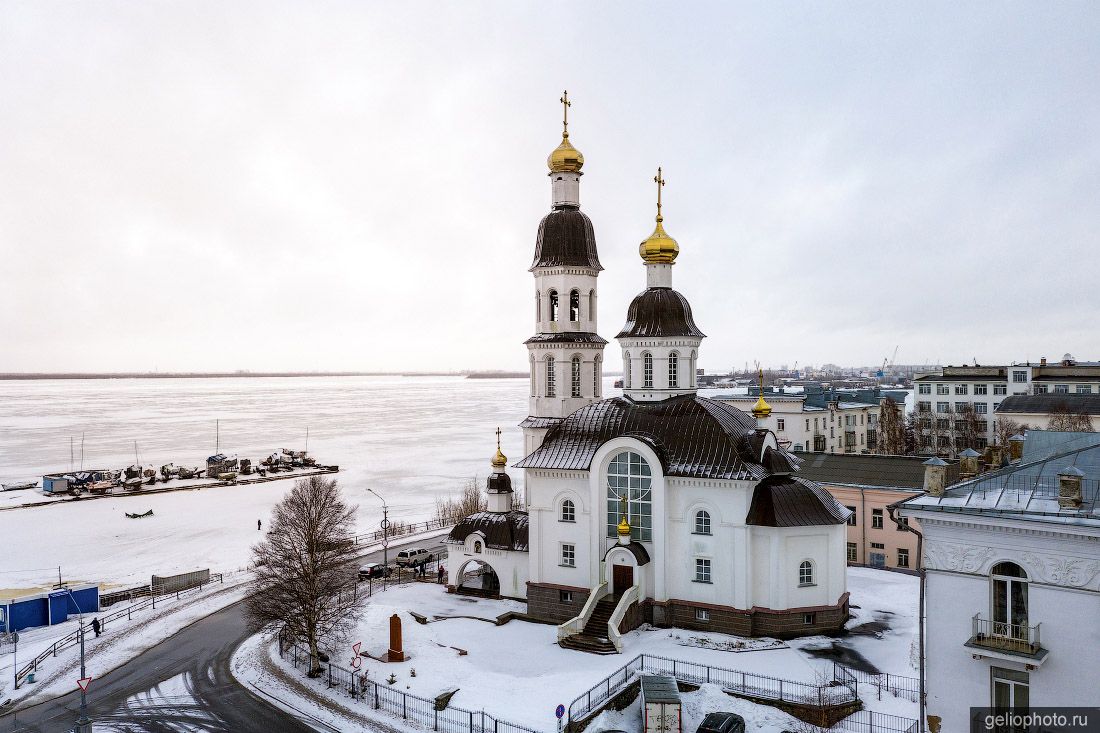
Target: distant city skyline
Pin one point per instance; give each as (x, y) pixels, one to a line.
(357, 186)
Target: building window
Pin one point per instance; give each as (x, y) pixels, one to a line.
(574, 306)
(629, 482)
(538, 307)
(592, 305)
(805, 573)
(702, 570)
(1009, 601)
(626, 370)
(1084, 389)
(551, 377)
(924, 407)
(808, 619)
(981, 408)
(877, 546)
(943, 389)
(1009, 690)
(807, 424)
(851, 552)
(1061, 389)
(903, 524)
(568, 556)
(876, 519)
(568, 511)
(575, 376)
(673, 367)
(596, 376)
(780, 424)
(903, 558)
(924, 389)
(691, 373)
(961, 389)
(647, 369)
(477, 547)
(852, 516)
(553, 305)
(702, 522)
(565, 596)
(1018, 377)
(1040, 389)
(1000, 389)
(943, 407)
(980, 389)
(702, 614)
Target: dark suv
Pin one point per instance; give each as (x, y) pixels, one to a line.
(722, 723)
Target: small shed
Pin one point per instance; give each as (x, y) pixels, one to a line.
(47, 607)
(661, 710)
(55, 483)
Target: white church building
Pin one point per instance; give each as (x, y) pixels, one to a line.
(659, 506)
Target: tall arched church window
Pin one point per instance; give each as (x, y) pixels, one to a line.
(626, 370)
(533, 394)
(806, 573)
(592, 305)
(673, 370)
(596, 376)
(702, 522)
(538, 307)
(575, 377)
(574, 306)
(568, 511)
(551, 378)
(691, 365)
(647, 369)
(629, 482)
(553, 305)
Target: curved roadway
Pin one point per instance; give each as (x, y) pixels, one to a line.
(184, 683)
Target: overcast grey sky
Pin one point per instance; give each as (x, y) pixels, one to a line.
(328, 185)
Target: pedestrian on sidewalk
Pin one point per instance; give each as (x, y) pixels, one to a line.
(258, 525)
(441, 571)
(96, 626)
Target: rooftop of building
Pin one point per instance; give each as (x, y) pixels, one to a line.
(868, 470)
(1045, 404)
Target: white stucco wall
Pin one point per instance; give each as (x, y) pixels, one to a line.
(511, 567)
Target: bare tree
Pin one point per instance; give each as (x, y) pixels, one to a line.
(891, 429)
(471, 501)
(968, 428)
(1006, 428)
(1064, 418)
(304, 579)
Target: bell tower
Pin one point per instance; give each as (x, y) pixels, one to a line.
(565, 354)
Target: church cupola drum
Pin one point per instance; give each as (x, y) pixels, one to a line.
(660, 340)
(566, 353)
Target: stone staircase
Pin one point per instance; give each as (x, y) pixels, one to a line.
(593, 638)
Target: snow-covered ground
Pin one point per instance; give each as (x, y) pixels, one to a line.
(538, 675)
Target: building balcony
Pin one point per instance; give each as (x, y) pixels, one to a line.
(1011, 642)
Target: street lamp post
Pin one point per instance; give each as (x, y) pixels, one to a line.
(385, 534)
(83, 723)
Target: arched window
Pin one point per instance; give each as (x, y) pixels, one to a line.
(626, 370)
(629, 483)
(551, 378)
(538, 307)
(574, 306)
(1009, 601)
(673, 370)
(533, 394)
(647, 369)
(702, 522)
(592, 305)
(477, 547)
(575, 377)
(553, 305)
(596, 376)
(691, 365)
(568, 511)
(806, 573)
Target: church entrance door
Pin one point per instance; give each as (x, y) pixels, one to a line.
(622, 577)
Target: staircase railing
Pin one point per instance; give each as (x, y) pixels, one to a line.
(576, 624)
(629, 598)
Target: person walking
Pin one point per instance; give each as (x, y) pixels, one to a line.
(441, 571)
(96, 626)
(258, 525)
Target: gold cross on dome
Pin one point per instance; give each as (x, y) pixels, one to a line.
(498, 438)
(660, 181)
(565, 105)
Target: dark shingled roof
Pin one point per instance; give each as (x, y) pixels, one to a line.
(693, 436)
(636, 549)
(788, 501)
(891, 472)
(566, 239)
(659, 312)
(540, 422)
(501, 531)
(570, 337)
(1044, 404)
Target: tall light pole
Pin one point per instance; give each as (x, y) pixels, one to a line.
(83, 724)
(385, 533)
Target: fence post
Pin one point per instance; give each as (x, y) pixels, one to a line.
(781, 690)
(376, 705)
(404, 705)
(471, 721)
(435, 718)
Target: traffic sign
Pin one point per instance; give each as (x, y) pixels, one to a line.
(385, 524)
(356, 662)
(83, 684)
(356, 646)
(560, 712)
(15, 637)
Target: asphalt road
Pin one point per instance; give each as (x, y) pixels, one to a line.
(183, 683)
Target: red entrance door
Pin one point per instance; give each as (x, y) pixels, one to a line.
(622, 577)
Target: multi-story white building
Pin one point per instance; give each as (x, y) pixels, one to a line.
(1012, 562)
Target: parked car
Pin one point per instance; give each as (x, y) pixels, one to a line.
(374, 570)
(413, 557)
(722, 723)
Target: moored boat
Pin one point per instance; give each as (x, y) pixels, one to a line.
(19, 486)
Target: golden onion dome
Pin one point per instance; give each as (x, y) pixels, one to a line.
(659, 248)
(565, 158)
(761, 409)
(624, 527)
(499, 460)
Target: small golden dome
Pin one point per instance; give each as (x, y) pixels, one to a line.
(499, 460)
(659, 248)
(761, 409)
(565, 158)
(624, 527)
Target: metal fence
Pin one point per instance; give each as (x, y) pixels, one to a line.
(421, 710)
(401, 530)
(842, 690)
(868, 721)
(883, 682)
(73, 638)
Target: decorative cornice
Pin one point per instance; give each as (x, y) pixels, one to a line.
(1059, 570)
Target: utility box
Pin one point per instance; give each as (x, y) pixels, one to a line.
(660, 704)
